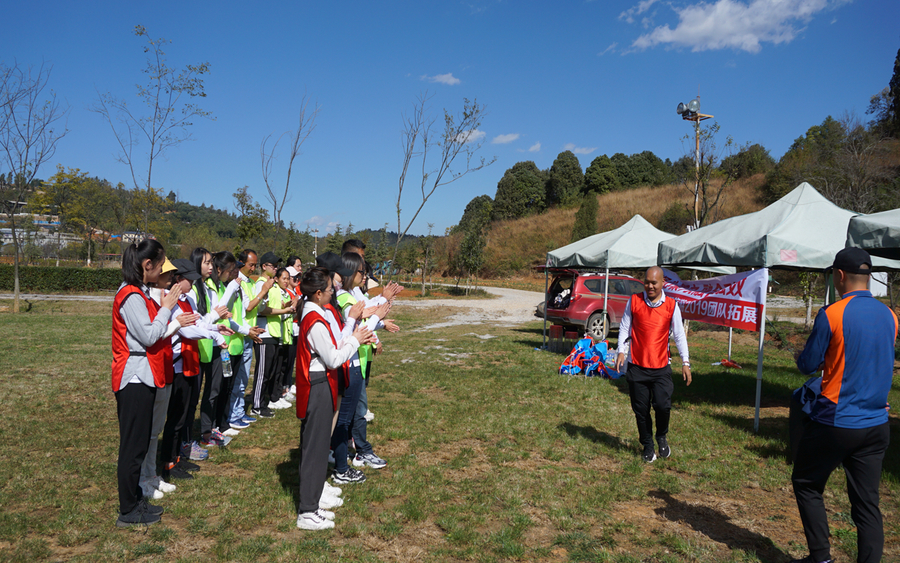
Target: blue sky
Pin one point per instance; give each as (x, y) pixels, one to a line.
(595, 77)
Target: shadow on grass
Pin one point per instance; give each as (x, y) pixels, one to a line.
(596, 436)
(717, 526)
(289, 475)
(773, 428)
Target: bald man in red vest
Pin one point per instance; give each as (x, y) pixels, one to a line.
(644, 329)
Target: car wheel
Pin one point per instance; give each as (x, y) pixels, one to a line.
(598, 326)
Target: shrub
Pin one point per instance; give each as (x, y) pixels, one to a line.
(44, 279)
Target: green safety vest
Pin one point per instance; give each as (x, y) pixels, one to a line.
(236, 340)
(249, 289)
(366, 353)
(275, 323)
(206, 344)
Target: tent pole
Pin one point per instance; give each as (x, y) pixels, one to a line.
(606, 296)
(730, 333)
(546, 274)
(759, 362)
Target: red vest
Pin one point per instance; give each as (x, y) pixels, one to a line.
(304, 357)
(159, 354)
(190, 350)
(650, 332)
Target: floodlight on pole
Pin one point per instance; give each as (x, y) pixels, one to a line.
(691, 112)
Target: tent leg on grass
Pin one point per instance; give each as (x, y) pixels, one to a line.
(546, 281)
(759, 366)
(730, 333)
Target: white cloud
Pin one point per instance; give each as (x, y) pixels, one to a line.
(643, 6)
(504, 139)
(447, 79)
(579, 150)
(608, 49)
(731, 24)
(533, 148)
(471, 136)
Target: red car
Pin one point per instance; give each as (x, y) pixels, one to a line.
(576, 300)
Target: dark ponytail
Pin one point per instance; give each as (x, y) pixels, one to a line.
(197, 256)
(313, 280)
(133, 259)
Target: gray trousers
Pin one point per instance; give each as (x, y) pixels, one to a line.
(315, 440)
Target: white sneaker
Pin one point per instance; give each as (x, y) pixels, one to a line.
(158, 483)
(284, 404)
(327, 501)
(231, 432)
(278, 405)
(326, 514)
(150, 491)
(313, 521)
(370, 416)
(289, 397)
(294, 389)
(332, 490)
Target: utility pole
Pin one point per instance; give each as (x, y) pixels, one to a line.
(691, 112)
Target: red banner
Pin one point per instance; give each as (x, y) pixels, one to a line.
(735, 300)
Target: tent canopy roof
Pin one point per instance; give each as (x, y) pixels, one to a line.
(878, 233)
(800, 231)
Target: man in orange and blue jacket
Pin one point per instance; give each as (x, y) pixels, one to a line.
(853, 341)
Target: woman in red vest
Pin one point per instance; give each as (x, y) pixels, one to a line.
(318, 358)
(142, 355)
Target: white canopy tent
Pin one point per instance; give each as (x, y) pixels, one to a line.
(800, 231)
(631, 246)
(879, 233)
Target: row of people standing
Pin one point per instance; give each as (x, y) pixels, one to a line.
(190, 340)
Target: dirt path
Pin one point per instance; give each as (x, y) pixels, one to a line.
(510, 307)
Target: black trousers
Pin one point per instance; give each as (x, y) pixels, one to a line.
(187, 431)
(648, 387)
(263, 379)
(134, 406)
(176, 417)
(287, 370)
(861, 451)
(212, 387)
(315, 438)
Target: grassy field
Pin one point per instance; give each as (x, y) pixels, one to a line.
(492, 456)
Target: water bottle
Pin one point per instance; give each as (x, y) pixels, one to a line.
(226, 363)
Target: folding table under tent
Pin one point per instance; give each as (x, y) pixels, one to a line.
(800, 231)
(631, 246)
(879, 233)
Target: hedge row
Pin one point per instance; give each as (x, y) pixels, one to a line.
(37, 279)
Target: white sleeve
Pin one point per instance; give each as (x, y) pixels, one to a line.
(625, 330)
(678, 334)
(230, 291)
(319, 339)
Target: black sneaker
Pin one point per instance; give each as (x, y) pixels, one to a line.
(664, 450)
(176, 473)
(139, 516)
(349, 476)
(649, 455)
(809, 559)
(152, 508)
(264, 412)
(186, 465)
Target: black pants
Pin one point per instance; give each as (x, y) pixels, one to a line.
(212, 387)
(134, 406)
(861, 451)
(263, 379)
(187, 431)
(650, 387)
(288, 374)
(176, 417)
(315, 437)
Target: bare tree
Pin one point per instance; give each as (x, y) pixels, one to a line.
(459, 138)
(30, 128)
(708, 195)
(169, 112)
(305, 126)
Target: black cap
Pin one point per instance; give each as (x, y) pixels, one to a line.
(186, 269)
(852, 259)
(269, 258)
(334, 264)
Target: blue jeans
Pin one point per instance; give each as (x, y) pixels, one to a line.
(346, 412)
(358, 428)
(241, 378)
